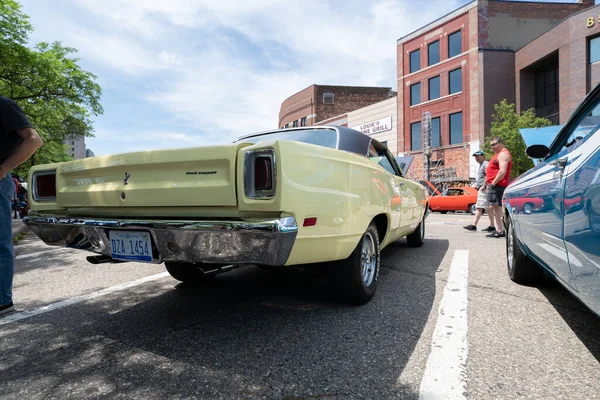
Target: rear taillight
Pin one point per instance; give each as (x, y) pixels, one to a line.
(263, 180)
(260, 179)
(44, 186)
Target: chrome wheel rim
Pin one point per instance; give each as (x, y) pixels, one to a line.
(368, 259)
(422, 229)
(510, 246)
(527, 209)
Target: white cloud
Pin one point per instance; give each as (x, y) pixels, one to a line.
(223, 67)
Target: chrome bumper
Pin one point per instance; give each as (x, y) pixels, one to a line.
(267, 242)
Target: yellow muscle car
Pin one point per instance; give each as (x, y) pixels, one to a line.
(285, 197)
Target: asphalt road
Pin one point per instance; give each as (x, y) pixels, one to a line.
(131, 331)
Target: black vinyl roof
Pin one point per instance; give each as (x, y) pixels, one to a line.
(348, 139)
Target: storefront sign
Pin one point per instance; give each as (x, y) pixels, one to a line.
(370, 128)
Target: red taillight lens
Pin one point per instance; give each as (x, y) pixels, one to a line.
(45, 185)
(263, 179)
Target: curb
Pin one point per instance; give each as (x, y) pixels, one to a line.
(18, 228)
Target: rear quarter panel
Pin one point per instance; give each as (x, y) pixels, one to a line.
(344, 191)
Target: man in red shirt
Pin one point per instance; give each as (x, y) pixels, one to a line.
(497, 177)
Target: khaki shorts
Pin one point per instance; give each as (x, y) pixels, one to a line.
(482, 199)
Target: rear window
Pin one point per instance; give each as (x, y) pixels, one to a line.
(320, 137)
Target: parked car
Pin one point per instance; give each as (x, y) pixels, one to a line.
(563, 236)
(293, 196)
(527, 204)
(455, 199)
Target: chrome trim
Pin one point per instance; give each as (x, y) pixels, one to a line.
(34, 193)
(250, 190)
(256, 241)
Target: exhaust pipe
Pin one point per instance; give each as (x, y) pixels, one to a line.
(101, 259)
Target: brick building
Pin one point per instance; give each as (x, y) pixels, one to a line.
(459, 66)
(318, 103)
(556, 70)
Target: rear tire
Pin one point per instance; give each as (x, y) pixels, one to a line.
(521, 269)
(187, 272)
(472, 209)
(355, 279)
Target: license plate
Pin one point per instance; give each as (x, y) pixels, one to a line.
(131, 245)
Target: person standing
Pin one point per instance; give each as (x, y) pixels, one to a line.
(497, 177)
(482, 202)
(18, 142)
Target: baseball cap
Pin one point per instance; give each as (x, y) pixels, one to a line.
(479, 153)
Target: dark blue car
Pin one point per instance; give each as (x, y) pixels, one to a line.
(561, 234)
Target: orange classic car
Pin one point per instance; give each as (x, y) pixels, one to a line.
(455, 199)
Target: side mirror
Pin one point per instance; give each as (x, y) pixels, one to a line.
(537, 151)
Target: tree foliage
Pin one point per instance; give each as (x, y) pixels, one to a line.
(46, 81)
(506, 124)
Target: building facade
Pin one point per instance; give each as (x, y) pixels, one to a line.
(379, 121)
(556, 70)
(318, 103)
(76, 146)
(453, 71)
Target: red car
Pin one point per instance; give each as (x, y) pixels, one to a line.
(455, 199)
(526, 204)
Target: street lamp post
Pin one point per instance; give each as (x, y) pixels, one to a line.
(427, 151)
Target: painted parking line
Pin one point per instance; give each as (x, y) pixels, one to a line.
(10, 318)
(445, 371)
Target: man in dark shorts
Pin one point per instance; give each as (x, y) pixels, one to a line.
(497, 177)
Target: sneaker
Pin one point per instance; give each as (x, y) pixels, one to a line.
(489, 229)
(470, 227)
(496, 234)
(7, 308)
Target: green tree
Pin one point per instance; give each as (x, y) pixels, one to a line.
(506, 124)
(46, 81)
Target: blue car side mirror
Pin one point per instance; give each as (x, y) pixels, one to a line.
(537, 151)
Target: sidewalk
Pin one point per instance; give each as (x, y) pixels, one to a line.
(18, 227)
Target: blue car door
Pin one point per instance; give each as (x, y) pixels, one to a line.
(542, 229)
(581, 205)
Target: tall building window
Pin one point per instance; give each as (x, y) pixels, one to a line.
(415, 136)
(303, 121)
(287, 125)
(435, 132)
(546, 91)
(434, 87)
(455, 81)
(456, 128)
(295, 123)
(433, 53)
(454, 44)
(327, 98)
(415, 60)
(415, 94)
(594, 49)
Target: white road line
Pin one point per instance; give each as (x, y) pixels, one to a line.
(37, 253)
(79, 299)
(445, 372)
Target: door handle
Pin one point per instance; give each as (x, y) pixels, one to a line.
(560, 163)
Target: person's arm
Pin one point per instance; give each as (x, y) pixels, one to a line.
(31, 142)
(503, 159)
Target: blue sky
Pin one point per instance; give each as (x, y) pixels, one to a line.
(184, 73)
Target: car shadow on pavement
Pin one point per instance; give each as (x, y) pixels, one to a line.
(249, 334)
(583, 322)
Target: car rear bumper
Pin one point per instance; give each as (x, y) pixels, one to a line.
(257, 241)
